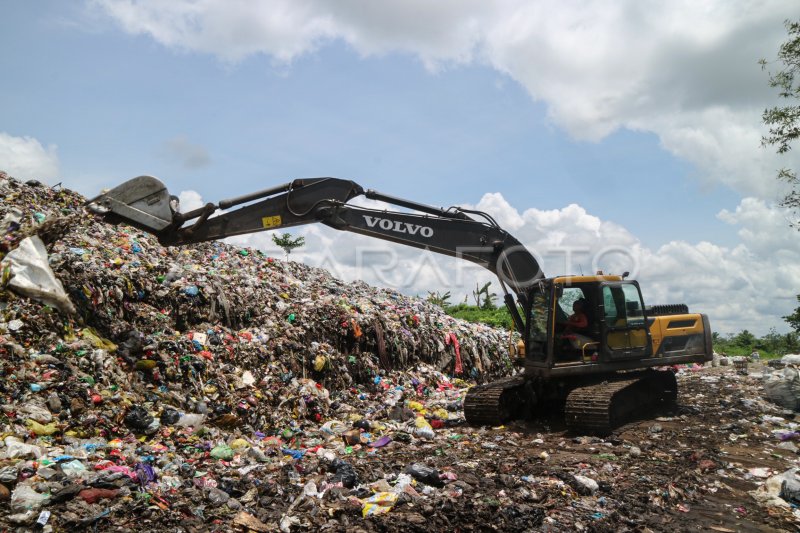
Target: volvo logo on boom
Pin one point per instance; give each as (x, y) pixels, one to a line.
(398, 226)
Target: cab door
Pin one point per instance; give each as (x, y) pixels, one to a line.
(623, 327)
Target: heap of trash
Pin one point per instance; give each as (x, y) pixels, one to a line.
(131, 371)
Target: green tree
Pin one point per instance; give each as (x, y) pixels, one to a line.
(287, 242)
(794, 319)
(791, 342)
(772, 341)
(745, 339)
(483, 298)
(437, 298)
(784, 121)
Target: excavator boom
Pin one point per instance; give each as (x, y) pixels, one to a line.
(145, 203)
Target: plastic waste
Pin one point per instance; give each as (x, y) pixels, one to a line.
(73, 468)
(217, 497)
(194, 420)
(381, 442)
(25, 498)
(138, 418)
(41, 429)
(379, 503)
(344, 473)
(424, 431)
(94, 495)
(44, 516)
(783, 388)
(790, 486)
(222, 452)
(424, 474)
(32, 276)
(585, 485)
(169, 417)
(352, 437)
(791, 359)
(15, 448)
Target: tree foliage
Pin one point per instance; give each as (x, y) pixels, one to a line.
(745, 339)
(794, 319)
(483, 298)
(773, 344)
(784, 121)
(287, 242)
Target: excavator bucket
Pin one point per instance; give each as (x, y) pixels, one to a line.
(143, 202)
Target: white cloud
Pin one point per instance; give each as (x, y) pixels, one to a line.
(750, 285)
(189, 201)
(686, 71)
(26, 158)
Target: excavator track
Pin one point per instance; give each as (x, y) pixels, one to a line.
(601, 407)
(494, 403)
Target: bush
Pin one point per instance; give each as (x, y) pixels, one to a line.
(499, 317)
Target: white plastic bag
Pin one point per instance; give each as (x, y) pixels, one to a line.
(16, 448)
(24, 498)
(32, 276)
(783, 388)
(791, 359)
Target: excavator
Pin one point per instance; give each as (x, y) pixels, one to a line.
(614, 366)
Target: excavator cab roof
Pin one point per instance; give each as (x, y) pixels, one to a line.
(567, 280)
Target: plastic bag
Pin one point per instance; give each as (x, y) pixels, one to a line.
(138, 418)
(16, 448)
(424, 474)
(169, 416)
(194, 420)
(32, 276)
(790, 486)
(223, 452)
(345, 473)
(791, 359)
(783, 388)
(24, 498)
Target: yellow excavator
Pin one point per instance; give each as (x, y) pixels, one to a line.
(604, 367)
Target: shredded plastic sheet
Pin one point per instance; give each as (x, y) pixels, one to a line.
(32, 276)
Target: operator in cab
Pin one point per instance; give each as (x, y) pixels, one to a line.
(576, 326)
(577, 321)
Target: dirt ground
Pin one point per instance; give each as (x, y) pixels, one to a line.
(694, 471)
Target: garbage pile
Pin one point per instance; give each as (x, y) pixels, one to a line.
(130, 370)
(213, 388)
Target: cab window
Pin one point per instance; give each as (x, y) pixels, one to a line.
(623, 306)
(569, 296)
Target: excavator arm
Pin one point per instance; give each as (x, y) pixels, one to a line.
(144, 202)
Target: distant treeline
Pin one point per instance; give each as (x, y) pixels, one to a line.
(771, 345)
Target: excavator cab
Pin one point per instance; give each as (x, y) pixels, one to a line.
(615, 326)
(619, 333)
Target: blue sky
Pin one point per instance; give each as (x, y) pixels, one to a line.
(113, 94)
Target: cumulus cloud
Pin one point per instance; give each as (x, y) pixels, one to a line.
(190, 200)
(686, 71)
(26, 158)
(751, 284)
(189, 155)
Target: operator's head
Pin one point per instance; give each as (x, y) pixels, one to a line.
(577, 306)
